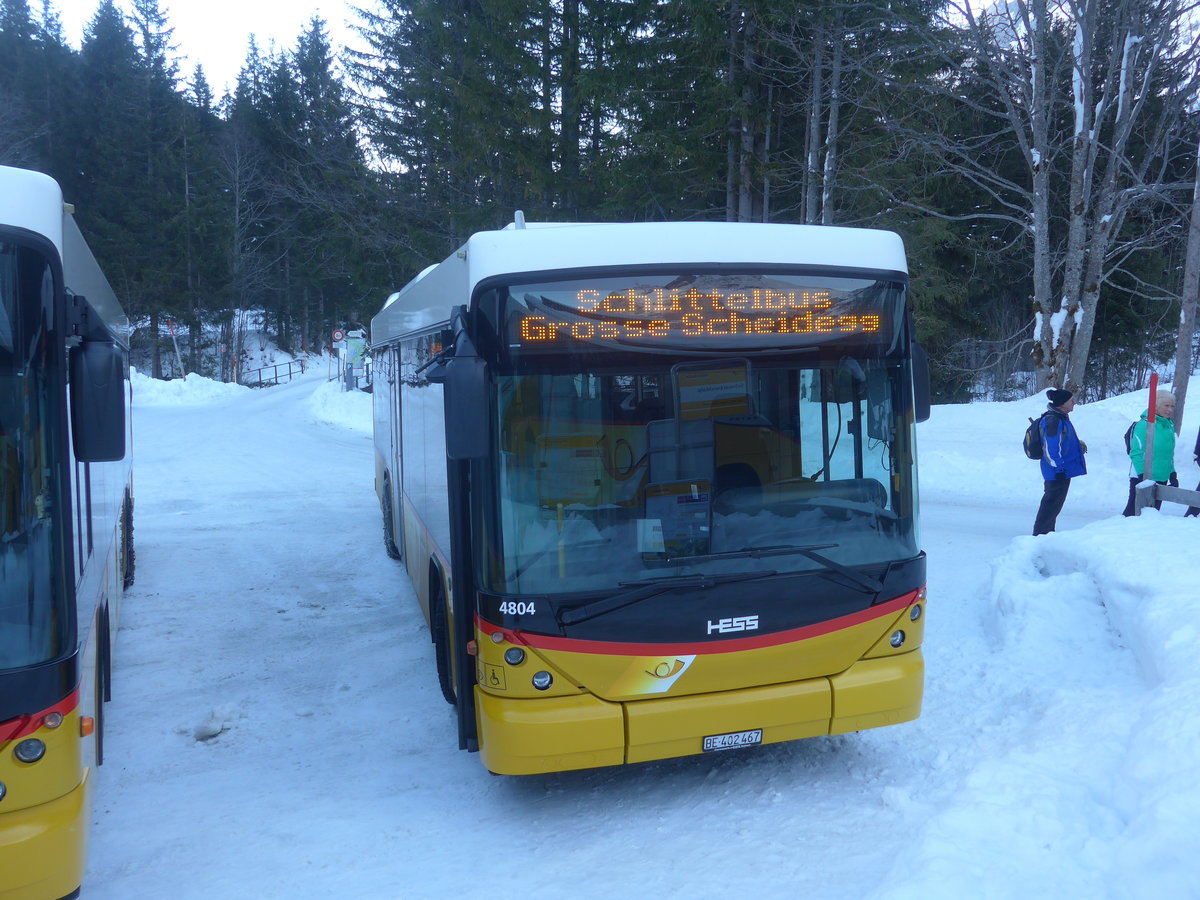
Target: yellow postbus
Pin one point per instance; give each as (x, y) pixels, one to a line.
(655, 486)
(66, 520)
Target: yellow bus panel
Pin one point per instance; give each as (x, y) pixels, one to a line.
(43, 848)
(552, 734)
(676, 726)
(531, 736)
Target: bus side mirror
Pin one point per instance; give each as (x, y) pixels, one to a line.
(98, 401)
(465, 397)
(921, 392)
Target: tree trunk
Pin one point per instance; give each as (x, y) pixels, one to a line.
(1187, 312)
(829, 170)
(812, 167)
(155, 354)
(569, 86)
(731, 144)
(746, 147)
(1048, 327)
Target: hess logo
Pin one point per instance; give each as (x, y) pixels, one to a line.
(736, 623)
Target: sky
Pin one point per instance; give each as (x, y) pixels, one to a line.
(276, 728)
(216, 33)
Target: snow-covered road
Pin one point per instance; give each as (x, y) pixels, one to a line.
(276, 728)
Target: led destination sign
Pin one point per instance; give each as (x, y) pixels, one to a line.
(554, 316)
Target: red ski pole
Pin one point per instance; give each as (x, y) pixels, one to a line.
(1148, 457)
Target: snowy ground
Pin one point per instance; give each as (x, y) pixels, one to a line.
(276, 729)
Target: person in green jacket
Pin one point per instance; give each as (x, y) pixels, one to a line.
(1162, 465)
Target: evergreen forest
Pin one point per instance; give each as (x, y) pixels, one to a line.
(1038, 157)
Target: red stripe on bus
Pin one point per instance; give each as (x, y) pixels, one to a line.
(757, 642)
(23, 726)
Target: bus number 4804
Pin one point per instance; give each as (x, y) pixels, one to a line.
(513, 608)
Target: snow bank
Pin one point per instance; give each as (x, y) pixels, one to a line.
(330, 405)
(1096, 794)
(195, 390)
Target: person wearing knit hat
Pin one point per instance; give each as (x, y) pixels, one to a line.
(1162, 461)
(1058, 396)
(1062, 457)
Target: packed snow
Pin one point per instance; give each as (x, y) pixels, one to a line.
(276, 728)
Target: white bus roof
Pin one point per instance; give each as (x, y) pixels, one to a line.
(34, 202)
(426, 301)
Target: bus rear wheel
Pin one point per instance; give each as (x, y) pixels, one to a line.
(389, 525)
(127, 554)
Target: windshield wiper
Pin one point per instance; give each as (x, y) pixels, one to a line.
(865, 582)
(644, 590)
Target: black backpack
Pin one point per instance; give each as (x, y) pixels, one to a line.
(1128, 436)
(1032, 444)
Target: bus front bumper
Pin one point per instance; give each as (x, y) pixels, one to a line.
(42, 848)
(552, 734)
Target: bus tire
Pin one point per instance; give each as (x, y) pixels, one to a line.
(439, 625)
(100, 691)
(127, 555)
(389, 527)
(105, 653)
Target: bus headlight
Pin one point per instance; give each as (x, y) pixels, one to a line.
(52, 720)
(514, 656)
(30, 750)
(542, 680)
(3, 790)
(897, 638)
(915, 612)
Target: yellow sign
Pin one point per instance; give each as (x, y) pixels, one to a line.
(708, 393)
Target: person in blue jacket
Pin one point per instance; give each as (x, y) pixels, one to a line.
(1062, 457)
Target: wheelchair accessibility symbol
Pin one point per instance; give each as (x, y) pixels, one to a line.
(493, 677)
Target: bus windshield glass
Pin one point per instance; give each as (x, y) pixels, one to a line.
(33, 618)
(653, 454)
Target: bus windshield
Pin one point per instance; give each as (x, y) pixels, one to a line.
(33, 619)
(620, 464)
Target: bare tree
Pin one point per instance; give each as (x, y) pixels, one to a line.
(1121, 145)
(250, 191)
(1119, 74)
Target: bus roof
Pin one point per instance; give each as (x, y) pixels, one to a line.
(34, 202)
(427, 300)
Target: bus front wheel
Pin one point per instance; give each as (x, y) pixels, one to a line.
(440, 626)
